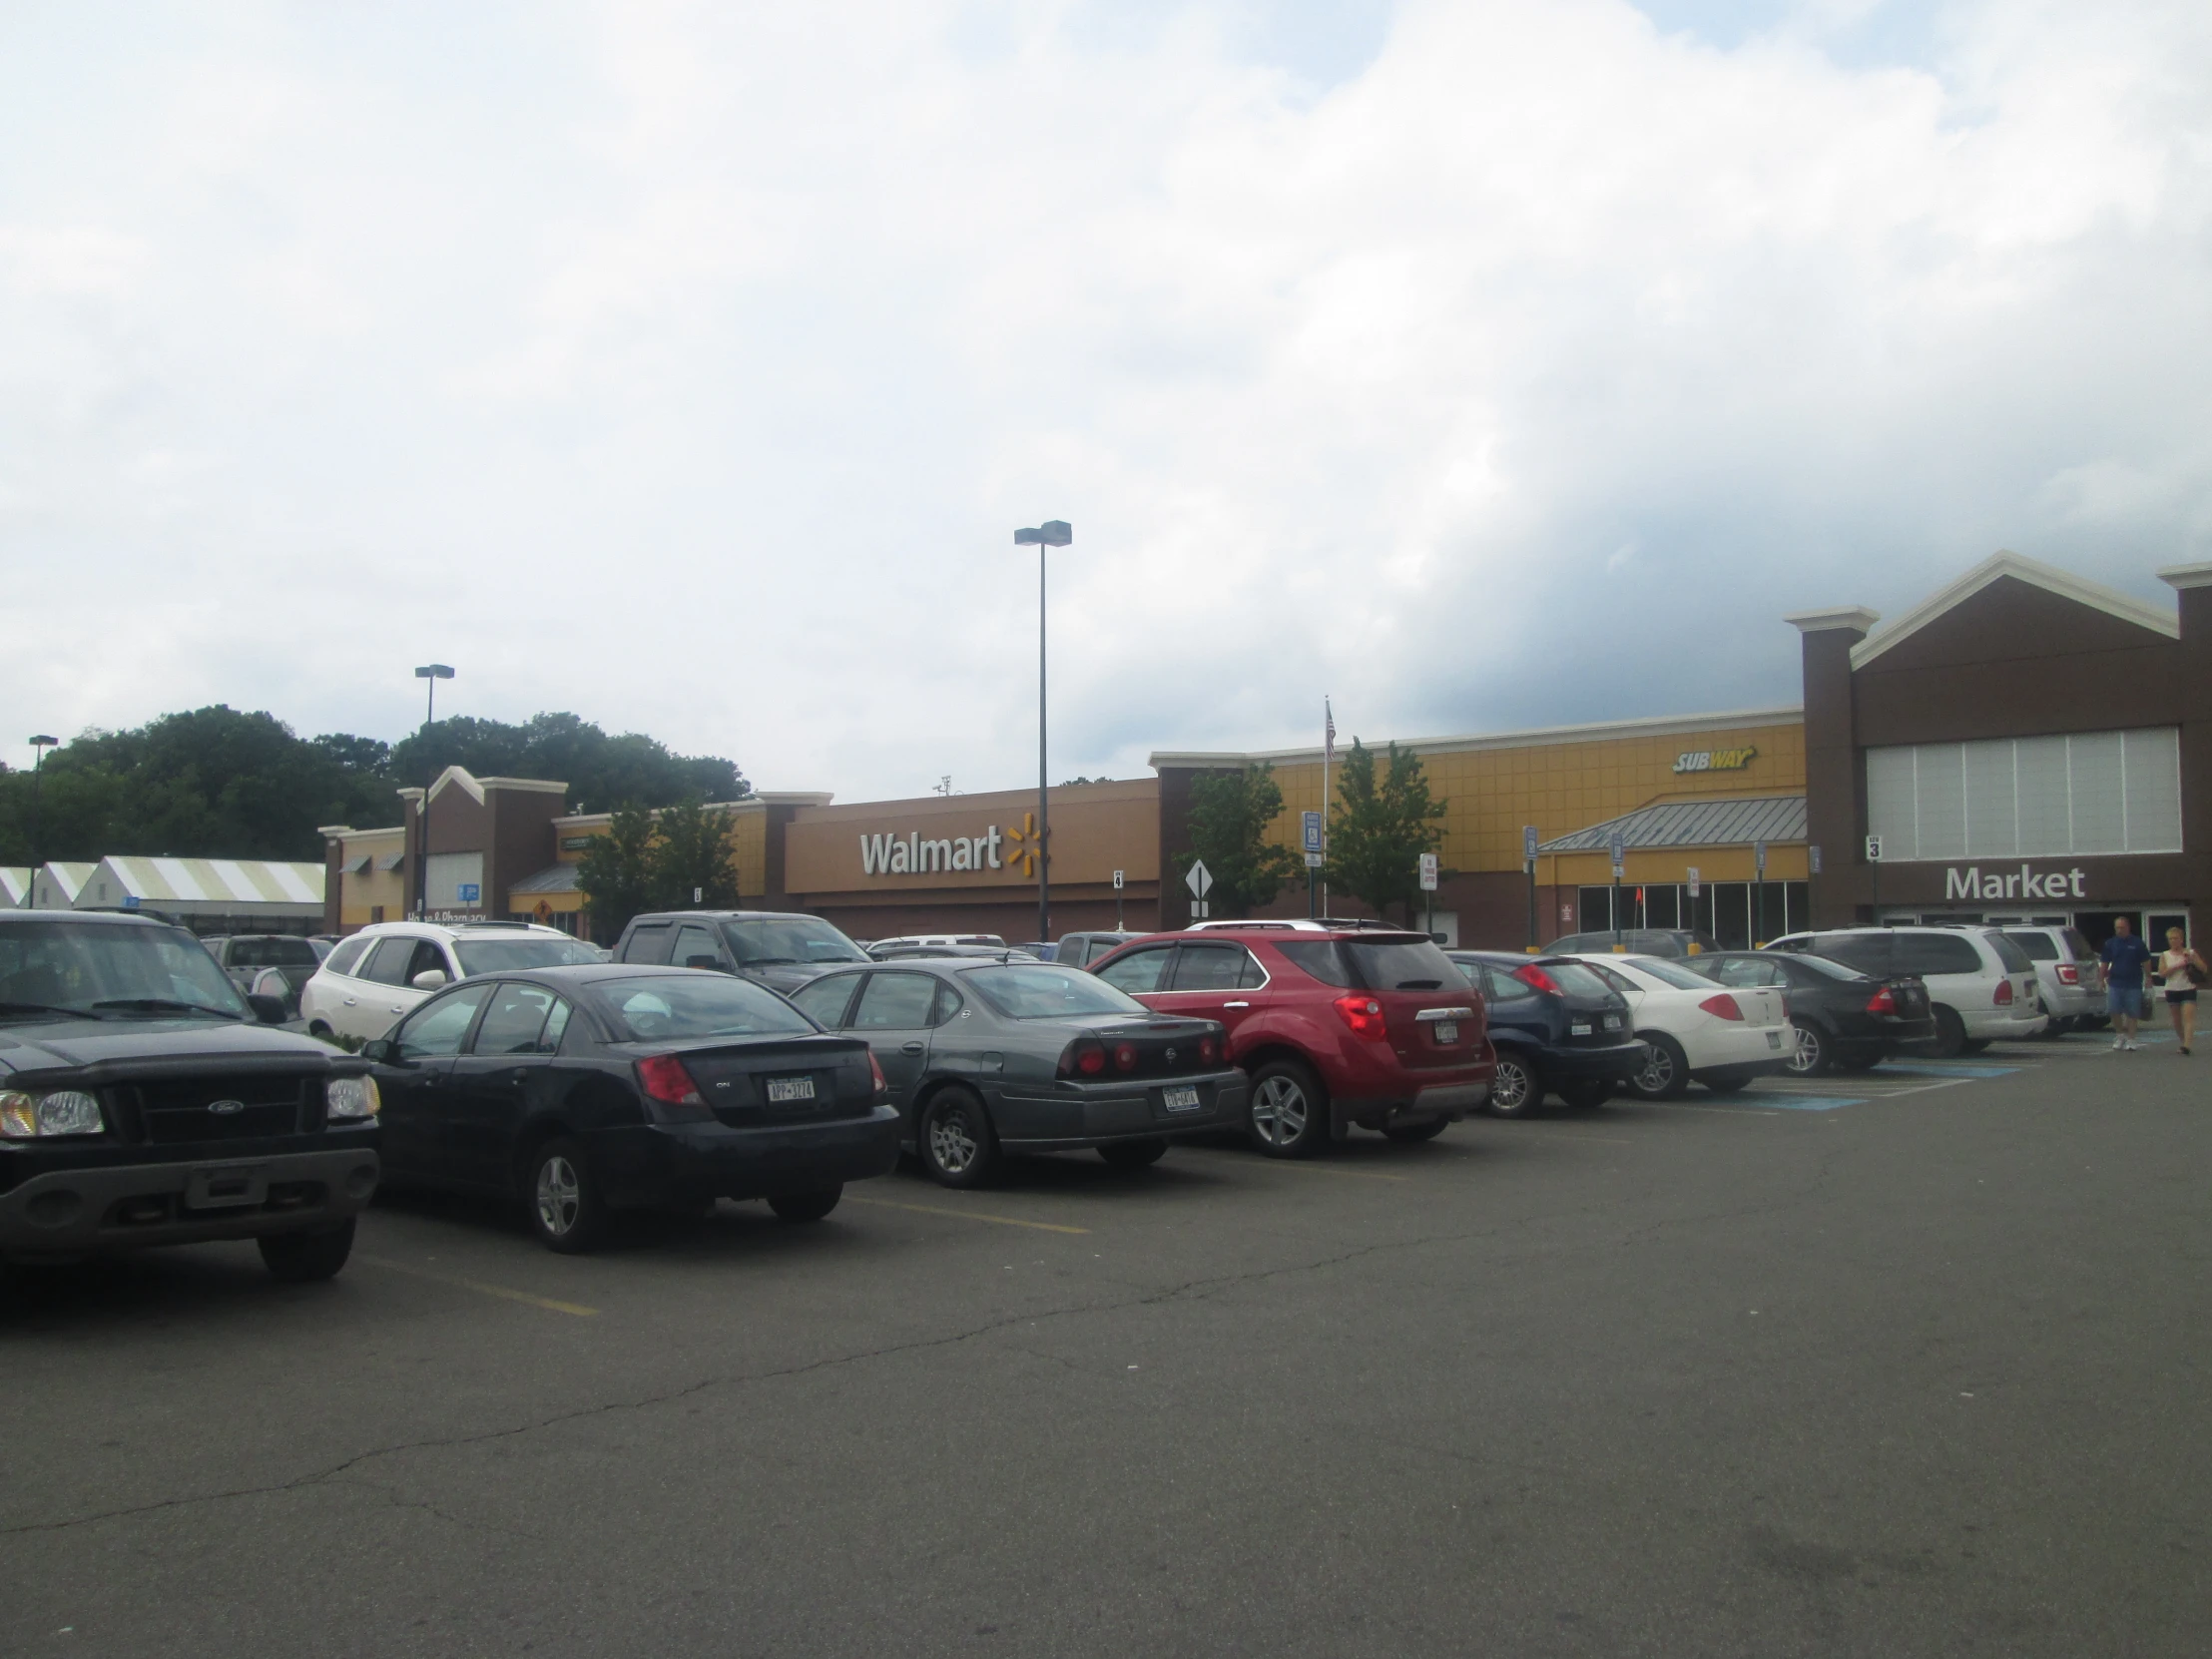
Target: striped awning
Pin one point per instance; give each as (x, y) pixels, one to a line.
(211, 881)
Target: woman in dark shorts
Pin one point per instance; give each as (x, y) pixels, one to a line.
(2174, 965)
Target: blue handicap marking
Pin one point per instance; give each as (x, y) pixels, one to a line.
(1798, 1102)
(1941, 1068)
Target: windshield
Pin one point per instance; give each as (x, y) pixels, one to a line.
(1037, 991)
(788, 940)
(535, 950)
(699, 1005)
(1668, 974)
(111, 970)
(1402, 965)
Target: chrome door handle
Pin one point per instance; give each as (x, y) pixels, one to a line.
(1235, 1005)
(352, 1002)
(909, 1048)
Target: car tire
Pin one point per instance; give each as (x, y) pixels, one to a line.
(1975, 1045)
(1950, 1040)
(1810, 1056)
(958, 1145)
(804, 1206)
(1408, 1134)
(1858, 1062)
(560, 1193)
(1517, 1087)
(1587, 1093)
(1666, 1073)
(1287, 1115)
(320, 1028)
(1725, 1085)
(1134, 1154)
(307, 1258)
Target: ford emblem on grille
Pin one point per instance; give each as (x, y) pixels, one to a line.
(225, 1108)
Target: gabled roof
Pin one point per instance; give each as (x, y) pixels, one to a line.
(1994, 568)
(1731, 822)
(15, 886)
(68, 876)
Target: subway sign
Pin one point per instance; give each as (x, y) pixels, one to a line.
(1714, 759)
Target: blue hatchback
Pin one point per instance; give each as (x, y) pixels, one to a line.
(1557, 1026)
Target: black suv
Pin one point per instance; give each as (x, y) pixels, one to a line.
(776, 948)
(144, 1101)
(1556, 1025)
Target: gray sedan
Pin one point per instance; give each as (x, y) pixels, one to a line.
(986, 1057)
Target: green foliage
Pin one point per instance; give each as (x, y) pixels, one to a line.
(695, 852)
(598, 770)
(655, 862)
(1380, 827)
(1230, 816)
(616, 871)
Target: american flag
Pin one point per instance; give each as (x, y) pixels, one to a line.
(1329, 731)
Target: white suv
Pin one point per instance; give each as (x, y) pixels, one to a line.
(2071, 976)
(1980, 985)
(370, 979)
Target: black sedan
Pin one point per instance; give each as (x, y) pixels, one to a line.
(1846, 1021)
(1557, 1026)
(986, 1057)
(586, 1090)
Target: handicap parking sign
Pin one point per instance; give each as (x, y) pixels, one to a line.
(469, 892)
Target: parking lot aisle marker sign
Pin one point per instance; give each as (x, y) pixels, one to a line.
(1428, 872)
(1529, 863)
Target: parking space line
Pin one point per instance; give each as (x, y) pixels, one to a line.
(967, 1215)
(547, 1302)
(1730, 1111)
(1326, 1169)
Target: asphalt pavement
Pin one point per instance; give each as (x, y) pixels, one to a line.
(1913, 1362)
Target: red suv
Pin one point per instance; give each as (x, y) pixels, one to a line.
(1335, 1026)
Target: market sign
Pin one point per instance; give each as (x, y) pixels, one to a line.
(2024, 883)
(1714, 759)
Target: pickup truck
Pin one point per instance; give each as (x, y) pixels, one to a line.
(145, 1101)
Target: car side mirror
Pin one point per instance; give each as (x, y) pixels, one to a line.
(269, 1010)
(712, 964)
(430, 979)
(382, 1050)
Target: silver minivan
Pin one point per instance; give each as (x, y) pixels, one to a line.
(2069, 975)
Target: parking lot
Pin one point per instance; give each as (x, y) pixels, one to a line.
(1914, 1365)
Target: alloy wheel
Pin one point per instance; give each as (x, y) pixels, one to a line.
(1278, 1111)
(1806, 1058)
(1510, 1087)
(951, 1142)
(560, 1196)
(1658, 1073)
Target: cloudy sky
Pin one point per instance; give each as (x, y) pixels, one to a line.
(691, 366)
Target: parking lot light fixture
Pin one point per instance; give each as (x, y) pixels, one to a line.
(39, 745)
(430, 673)
(1053, 532)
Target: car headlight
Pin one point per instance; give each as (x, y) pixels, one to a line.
(24, 1117)
(349, 1099)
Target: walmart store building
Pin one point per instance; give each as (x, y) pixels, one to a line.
(2023, 745)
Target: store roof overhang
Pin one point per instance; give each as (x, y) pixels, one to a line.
(1736, 821)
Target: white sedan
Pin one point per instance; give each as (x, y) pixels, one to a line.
(1721, 1037)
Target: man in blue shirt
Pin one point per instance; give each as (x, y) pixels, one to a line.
(2125, 955)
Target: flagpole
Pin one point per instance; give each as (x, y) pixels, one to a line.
(1327, 748)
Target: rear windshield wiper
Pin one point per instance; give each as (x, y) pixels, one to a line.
(162, 1005)
(45, 1008)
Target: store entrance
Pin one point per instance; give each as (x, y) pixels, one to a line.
(2149, 921)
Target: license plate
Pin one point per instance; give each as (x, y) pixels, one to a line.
(784, 1089)
(1773, 1039)
(1180, 1097)
(1578, 1030)
(1447, 1031)
(223, 1189)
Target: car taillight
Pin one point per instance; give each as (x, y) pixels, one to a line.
(1365, 1015)
(1084, 1057)
(1125, 1056)
(1537, 979)
(2068, 975)
(1882, 1002)
(2004, 994)
(1208, 1050)
(883, 1083)
(664, 1078)
(1722, 1006)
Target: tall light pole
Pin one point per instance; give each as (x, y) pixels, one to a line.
(1054, 532)
(431, 672)
(39, 745)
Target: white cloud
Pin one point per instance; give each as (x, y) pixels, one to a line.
(690, 367)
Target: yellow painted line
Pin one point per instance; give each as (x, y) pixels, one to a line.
(482, 1289)
(967, 1215)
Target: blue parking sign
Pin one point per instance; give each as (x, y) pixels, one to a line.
(469, 892)
(1311, 822)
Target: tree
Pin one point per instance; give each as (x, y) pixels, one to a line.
(598, 770)
(1230, 816)
(616, 871)
(1382, 828)
(695, 852)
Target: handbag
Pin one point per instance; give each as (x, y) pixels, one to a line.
(2197, 975)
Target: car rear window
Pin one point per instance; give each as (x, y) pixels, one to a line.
(1668, 974)
(1318, 958)
(341, 960)
(2079, 943)
(1577, 979)
(1036, 990)
(1401, 964)
(2010, 952)
(1821, 964)
(1868, 952)
(1926, 953)
(2040, 947)
(272, 953)
(659, 1006)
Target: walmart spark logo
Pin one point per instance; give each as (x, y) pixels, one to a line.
(1024, 846)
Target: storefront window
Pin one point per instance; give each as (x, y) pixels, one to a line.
(2093, 792)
